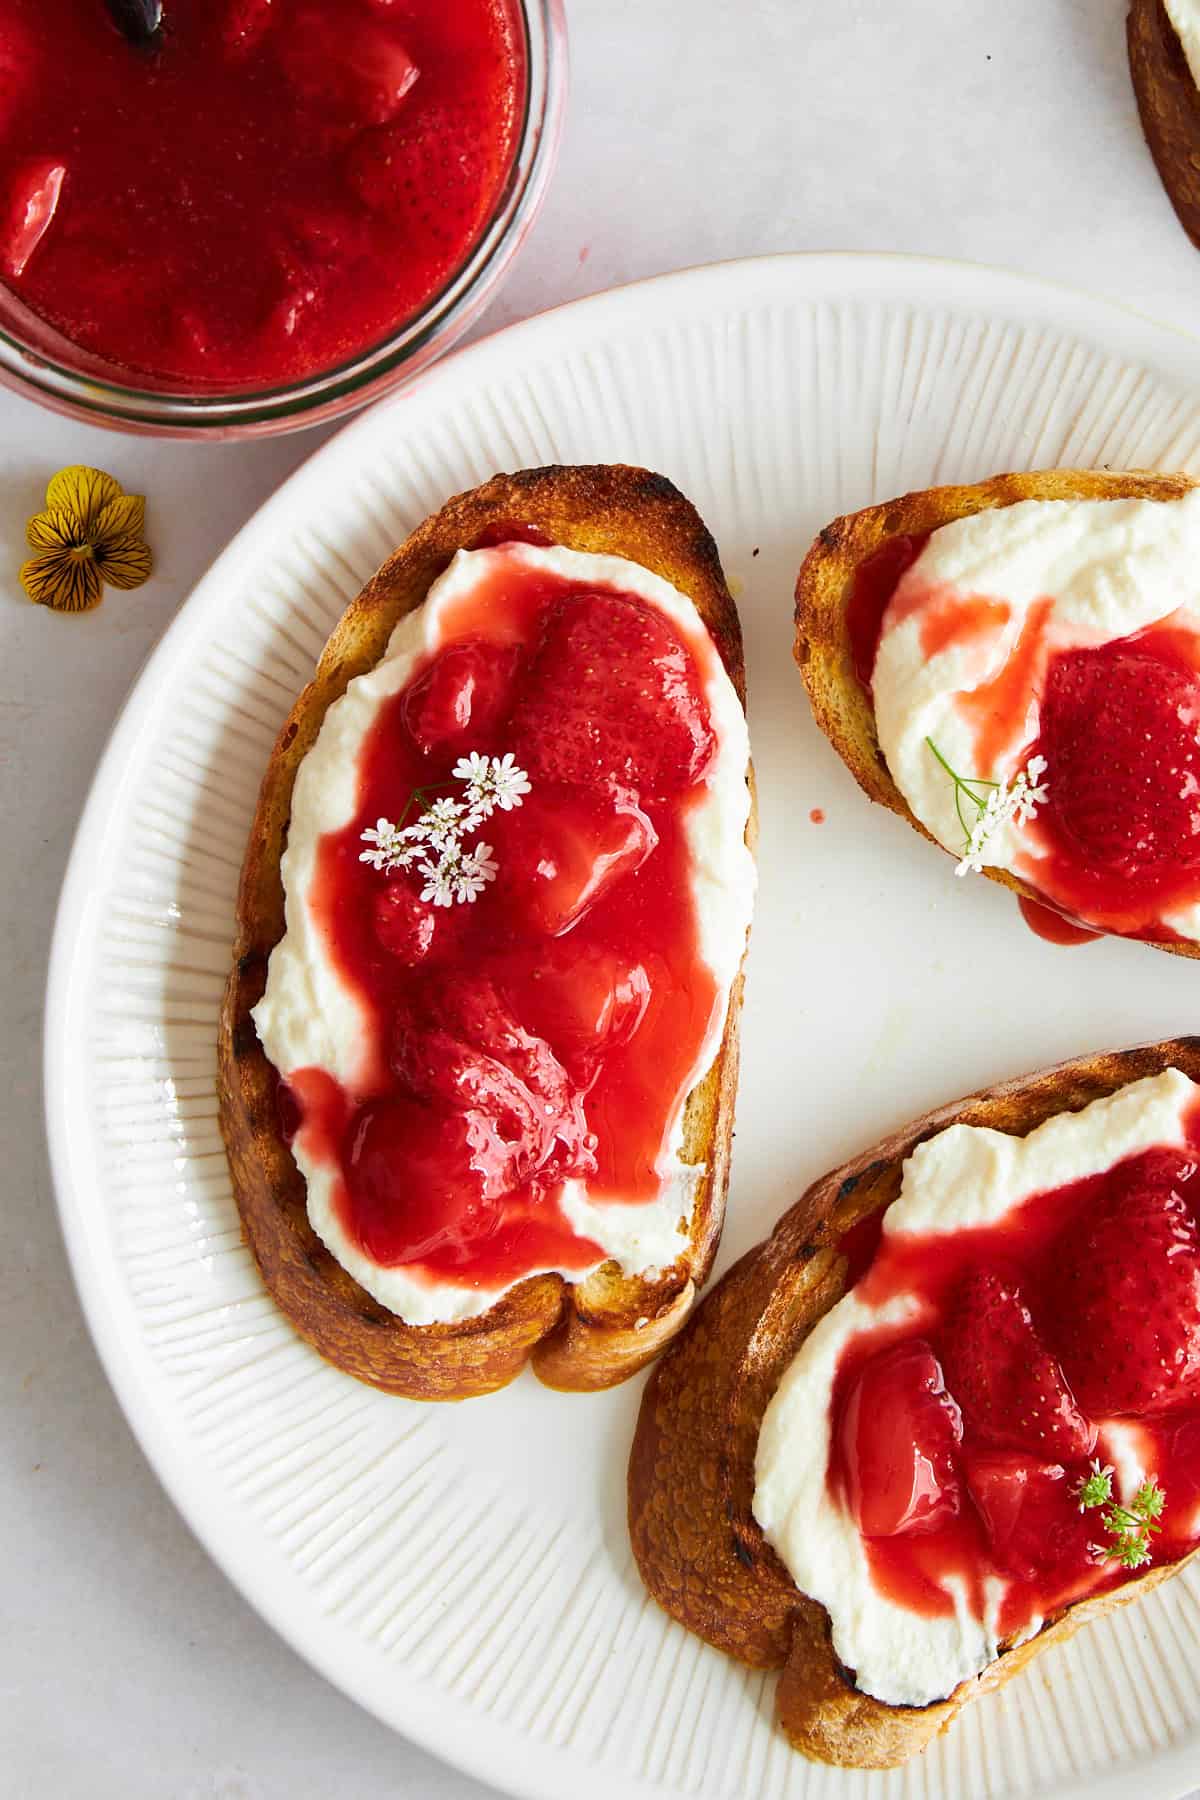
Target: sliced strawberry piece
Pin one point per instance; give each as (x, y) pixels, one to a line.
(33, 200)
(420, 1180)
(1127, 1291)
(564, 849)
(1120, 731)
(292, 291)
(1030, 1511)
(898, 1433)
(515, 1136)
(583, 999)
(472, 1006)
(358, 76)
(1011, 1389)
(464, 1049)
(463, 695)
(404, 925)
(613, 697)
(427, 171)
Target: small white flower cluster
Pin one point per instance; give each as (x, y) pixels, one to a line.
(1008, 803)
(435, 845)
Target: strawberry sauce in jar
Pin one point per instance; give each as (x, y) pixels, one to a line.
(271, 189)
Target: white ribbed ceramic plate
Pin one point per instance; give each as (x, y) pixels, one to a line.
(464, 1571)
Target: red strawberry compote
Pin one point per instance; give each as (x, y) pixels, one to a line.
(1059, 639)
(1028, 1322)
(487, 1027)
(271, 189)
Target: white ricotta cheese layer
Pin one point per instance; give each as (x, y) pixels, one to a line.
(308, 1017)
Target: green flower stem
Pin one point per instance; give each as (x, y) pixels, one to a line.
(963, 786)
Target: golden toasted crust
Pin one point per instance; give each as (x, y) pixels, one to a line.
(841, 705)
(691, 1469)
(1170, 107)
(587, 1335)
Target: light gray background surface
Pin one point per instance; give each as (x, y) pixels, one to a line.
(697, 129)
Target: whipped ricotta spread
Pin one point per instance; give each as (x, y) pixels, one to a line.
(1185, 18)
(310, 1017)
(1107, 568)
(965, 1176)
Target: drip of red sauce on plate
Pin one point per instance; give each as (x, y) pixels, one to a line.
(277, 186)
(958, 1440)
(1052, 926)
(547, 1030)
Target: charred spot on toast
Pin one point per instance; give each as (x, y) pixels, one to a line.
(649, 485)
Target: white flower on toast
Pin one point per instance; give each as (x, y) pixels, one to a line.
(1001, 803)
(442, 822)
(492, 781)
(390, 847)
(475, 869)
(435, 843)
(441, 878)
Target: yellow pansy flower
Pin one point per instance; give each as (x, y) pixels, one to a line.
(89, 534)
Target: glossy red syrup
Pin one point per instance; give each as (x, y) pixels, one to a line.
(875, 581)
(1001, 710)
(958, 1440)
(1120, 731)
(548, 1030)
(950, 618)
(1053, 927)
(509, 531)
(274, 188)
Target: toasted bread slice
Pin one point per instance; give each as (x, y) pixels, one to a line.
(586, 1335)
(1170, 107)
(841, 704)
(691, 1471)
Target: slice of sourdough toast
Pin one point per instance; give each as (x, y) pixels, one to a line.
(840, 703)
(700, 1551)
(590, 1334)
(1169, 104)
